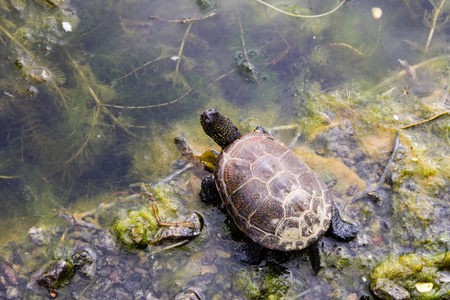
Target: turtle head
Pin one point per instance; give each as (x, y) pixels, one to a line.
(217, 126)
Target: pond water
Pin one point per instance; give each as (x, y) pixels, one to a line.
(93, 94)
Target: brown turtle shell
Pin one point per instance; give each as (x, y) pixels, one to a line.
(272, 195)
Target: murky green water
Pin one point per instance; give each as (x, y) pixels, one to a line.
(92, 94)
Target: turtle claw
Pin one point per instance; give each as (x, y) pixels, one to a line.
(340, 229)
(209, 190)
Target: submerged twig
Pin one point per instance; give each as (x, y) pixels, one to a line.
(150, 106)
(425, 121)
(184, 20)
(370, 188)
(433, 24)
(302, 16)
(404, 72)
(348, 46)
(391, 159)
(222, 76)
(356, 50)
(10, 177)
(245, 49)
(181, 50)
(138, 68)
(280, 56)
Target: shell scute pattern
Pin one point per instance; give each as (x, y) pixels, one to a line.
(268, 215)
(271, 194)
(249, 197)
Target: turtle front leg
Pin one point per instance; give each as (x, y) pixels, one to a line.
(209, 190)
(340, 229)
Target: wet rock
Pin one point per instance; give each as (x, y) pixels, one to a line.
(105, 240)
(190, 294)
(51, 277)
(39, 236)
(85, 262)
(12, 292)
(384, 288)
(8, 274)
(121, 294)
(180, 232)
(132, 286)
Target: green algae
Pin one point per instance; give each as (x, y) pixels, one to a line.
(409, 269)
(136, 229)
(260, 285)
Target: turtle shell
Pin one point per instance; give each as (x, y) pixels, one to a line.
(272, 195)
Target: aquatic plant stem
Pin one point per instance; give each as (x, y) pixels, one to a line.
(181, 50)
(286, 51)
(138, 68)
(301, 16)
(370, 188)
(222, 76)
(391, 159)
(348, 46)
(150, 106)
(404, 72)
(21, 46)
(374, 48)
(99, 103)
(437, 12)
(425, 121)
(245, 48)
(184, 20)
(10, 177)
(6, 32)
(88, 138)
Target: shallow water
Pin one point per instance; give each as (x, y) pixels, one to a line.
(93, 94)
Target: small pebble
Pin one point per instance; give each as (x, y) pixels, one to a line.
(223, 254)
(376, 12)
(424, 287)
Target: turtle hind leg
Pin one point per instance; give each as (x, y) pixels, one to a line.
(251, 253)
(340, 229)
(314, 253)
(209, 190)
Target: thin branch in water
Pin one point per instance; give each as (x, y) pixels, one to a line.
(404, 72)
(222, 76)
(286, 51)
(150, 106)
(91, 31)
(348, 46)
(138, 68)
(10, 177)
(245, 48)
(359, 52)
(185, 19)
(425, 121)
(302, 16)
(181, 49)
(433, 25)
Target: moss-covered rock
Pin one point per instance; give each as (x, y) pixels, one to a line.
(408, 270)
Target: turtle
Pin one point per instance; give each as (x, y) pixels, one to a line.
(270, 193)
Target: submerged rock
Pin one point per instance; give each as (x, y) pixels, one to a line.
(180, 232)
(51, 277)
(85, 262)
(12, 292)
(386, 289)
(39, 236)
